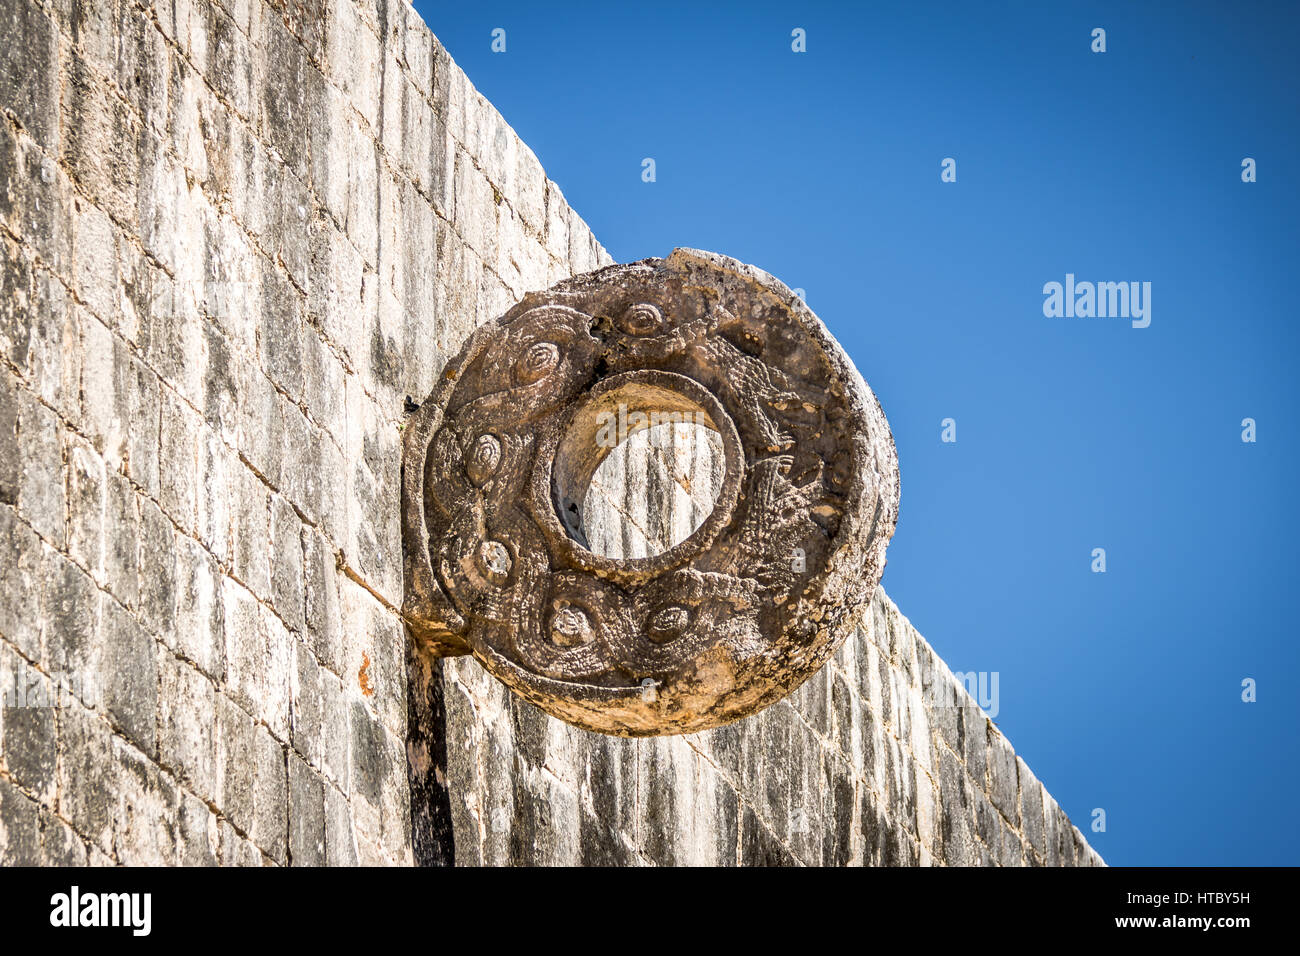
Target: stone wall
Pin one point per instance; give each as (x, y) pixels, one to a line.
(237, 237)
(881, 759)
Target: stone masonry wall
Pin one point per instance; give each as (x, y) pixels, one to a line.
(237, 236)
(881, 759)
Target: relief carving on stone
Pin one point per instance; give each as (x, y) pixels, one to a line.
(718, 626)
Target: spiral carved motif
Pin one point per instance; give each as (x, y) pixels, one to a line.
(720, 625)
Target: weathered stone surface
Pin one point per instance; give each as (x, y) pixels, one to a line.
(770, 789)
(306, 814)
(718, 626)
(217, 291)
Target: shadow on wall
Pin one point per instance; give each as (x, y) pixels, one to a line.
(426, 754)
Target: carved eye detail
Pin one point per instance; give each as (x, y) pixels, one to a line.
(495, 559)
(484, 459)
(641, 319)
(570, 627)
(537, 362)
(668, 623)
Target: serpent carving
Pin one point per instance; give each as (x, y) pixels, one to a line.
(722, 624)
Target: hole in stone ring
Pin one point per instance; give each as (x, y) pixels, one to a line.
(652, 490)
(640, 466)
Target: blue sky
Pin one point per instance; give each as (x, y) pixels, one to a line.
(1121, 690)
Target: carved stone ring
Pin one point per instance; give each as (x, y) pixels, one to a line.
(729, 620)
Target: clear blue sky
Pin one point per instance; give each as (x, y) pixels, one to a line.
(1121, 690)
